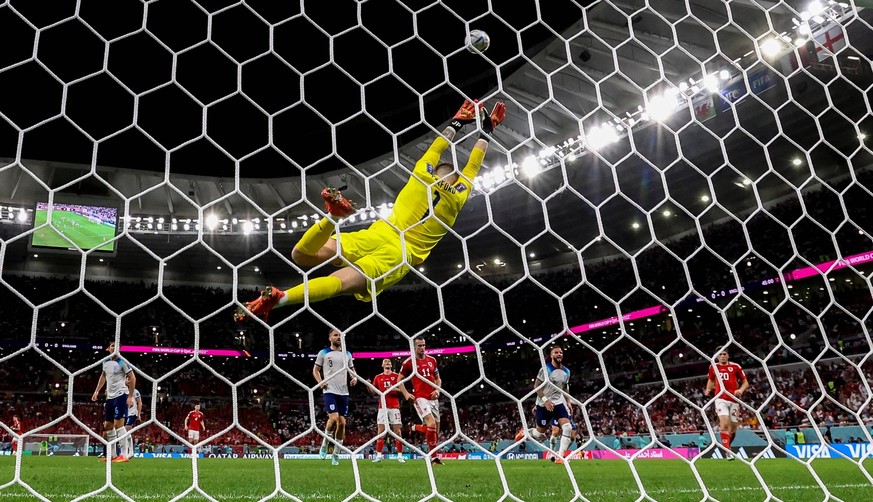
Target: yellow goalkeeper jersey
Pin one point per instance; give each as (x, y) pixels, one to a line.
(426, 207)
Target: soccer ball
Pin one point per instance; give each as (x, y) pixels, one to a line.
(478, 41)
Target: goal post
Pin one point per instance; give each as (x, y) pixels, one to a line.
(70, 445)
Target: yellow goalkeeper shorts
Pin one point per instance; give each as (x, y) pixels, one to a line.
(376, 253)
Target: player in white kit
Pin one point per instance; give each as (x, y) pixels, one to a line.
(551, 403)
(119, 398)
(134, 413)
(337, 368)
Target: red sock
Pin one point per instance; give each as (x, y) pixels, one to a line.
(380, 444)
(726, 439)
(399, 446)
(431, 438)
(420, 429)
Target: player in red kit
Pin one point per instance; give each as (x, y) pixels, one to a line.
(729, 382)
(386, 383)
(194, 423)
(426, 384)
(16, 428)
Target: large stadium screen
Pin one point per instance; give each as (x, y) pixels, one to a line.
(87, 226)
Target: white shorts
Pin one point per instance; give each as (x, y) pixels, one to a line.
(426, 407)
(725, 408)
(193, 435)
(388, 416)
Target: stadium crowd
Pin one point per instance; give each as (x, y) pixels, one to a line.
(277, 417)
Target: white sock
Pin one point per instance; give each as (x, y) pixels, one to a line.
(129, 453)
(566, 431)
(553, 442)
(110, 449)
(534, 433)
(326, 441)
(122, 444)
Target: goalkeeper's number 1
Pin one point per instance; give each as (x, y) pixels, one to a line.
(436, 199)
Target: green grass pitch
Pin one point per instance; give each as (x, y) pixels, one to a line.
(64, 478)
(85, 232)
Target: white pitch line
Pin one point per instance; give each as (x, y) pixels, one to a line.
(656, 491)
(409, 496)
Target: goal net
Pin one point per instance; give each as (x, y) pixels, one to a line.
(674, 181)
(76, 445)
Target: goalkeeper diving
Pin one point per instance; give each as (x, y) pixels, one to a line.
(381, 254)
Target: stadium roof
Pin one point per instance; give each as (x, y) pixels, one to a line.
(270, 101)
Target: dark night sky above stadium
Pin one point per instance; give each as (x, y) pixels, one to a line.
(158, 81)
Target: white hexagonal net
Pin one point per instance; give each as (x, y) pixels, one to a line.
(673, 180)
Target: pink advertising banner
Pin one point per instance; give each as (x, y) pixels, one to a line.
(650, 454)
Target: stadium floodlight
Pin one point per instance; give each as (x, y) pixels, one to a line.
(711, 83)
(185, 227)
(724, 74)
(771, 47)
(547, 152)
(601, 136)
(211, 221)
(22, 216)
(659, 108)
(384, 210)
(248, 227)
(531, 167)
